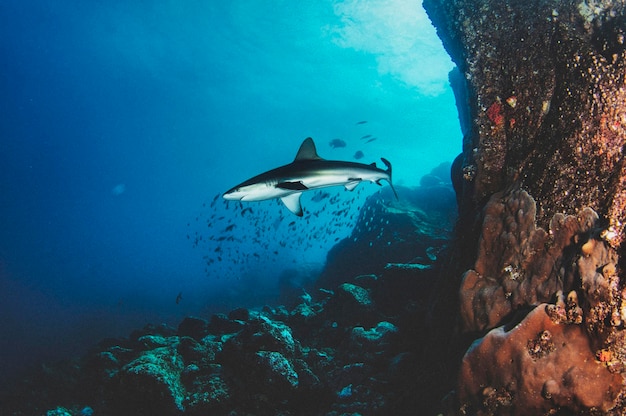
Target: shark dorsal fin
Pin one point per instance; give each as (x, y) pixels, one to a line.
(307, 151)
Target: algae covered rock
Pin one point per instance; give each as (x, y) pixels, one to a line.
(380, 334)
(277, 369)
(151, 383)
(193, 327)
(222, 324)
(59, 411)
(413, 229)
(262, 333)
(209, 393)
(354, 294)
(374, 343)
(544, 82)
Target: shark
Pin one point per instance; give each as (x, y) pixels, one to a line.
(307, 172)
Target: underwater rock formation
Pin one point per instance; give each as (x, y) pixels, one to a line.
(350, 345)
(273, 362)
(541, 187)
(545, 81)
(413, 229)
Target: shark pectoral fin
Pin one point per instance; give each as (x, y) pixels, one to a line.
(292, 202)
(292, 186)
(352, 184)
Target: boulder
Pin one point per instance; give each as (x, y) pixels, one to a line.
(151, 384)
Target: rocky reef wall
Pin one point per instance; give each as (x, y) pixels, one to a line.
(541, 186)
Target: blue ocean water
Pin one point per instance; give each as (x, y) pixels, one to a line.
(120, 123)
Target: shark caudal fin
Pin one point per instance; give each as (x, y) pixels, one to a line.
(388, 164)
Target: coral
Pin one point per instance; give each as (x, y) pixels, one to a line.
(605, 304)
(546, 91)
(518, 263)
(494, 113)
(535, 367)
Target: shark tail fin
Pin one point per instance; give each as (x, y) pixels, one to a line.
(388, 164)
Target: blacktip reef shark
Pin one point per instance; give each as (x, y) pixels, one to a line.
(307, 172)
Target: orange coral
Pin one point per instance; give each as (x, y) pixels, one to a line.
(494, 112)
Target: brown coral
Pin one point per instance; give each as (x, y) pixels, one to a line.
(519, 264)
(536, 367)
(605, 306)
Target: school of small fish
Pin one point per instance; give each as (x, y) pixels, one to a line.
(237, 238)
